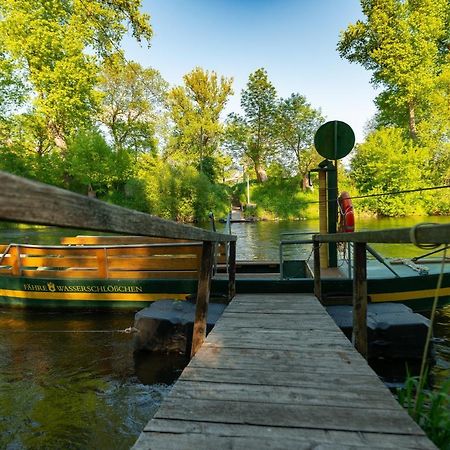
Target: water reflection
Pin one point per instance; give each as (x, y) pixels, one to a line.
(69, 380)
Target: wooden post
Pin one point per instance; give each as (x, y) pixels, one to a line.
(232, 270)
(102, 263)
(323, 216)
(359, 335)
(317, 281)
(203, 290)
(16, 269)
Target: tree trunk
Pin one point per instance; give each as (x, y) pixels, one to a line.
(58, 136)
(261, 174)
(412, 120)
(305, 183)
(91, 192)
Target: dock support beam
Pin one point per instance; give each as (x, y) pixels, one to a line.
(203, 291)
(317, 280)
(359, 335)
(232, 270)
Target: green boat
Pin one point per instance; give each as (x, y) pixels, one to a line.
(131, 272)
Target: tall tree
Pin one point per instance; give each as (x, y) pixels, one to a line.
(403, 43)
(259, 105)
(132, 103)
(57, 45)
(296, 123)
(195, 109)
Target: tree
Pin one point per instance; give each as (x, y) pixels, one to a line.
(386, 162)
(93, 164)
(57, 45)
(259, 105)
(133, 99)
(296, 124)
(195, 110)
(404, 43)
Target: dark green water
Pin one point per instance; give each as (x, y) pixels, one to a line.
(70, 381)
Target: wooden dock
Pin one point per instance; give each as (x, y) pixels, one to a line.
(277, 373)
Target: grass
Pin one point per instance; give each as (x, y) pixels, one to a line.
(430, 409)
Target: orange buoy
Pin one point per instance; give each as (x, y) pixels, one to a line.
(347, 216)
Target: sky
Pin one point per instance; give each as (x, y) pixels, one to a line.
(294, 40)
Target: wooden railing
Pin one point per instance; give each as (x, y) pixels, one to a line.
(420, 234)
(26, 201)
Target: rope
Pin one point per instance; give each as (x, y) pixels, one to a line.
(429, 332)
(128, 330)
(356, 197)
(413, 237)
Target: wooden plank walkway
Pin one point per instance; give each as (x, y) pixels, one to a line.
(277, 373)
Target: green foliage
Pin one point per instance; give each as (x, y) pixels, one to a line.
(195, 109)
(131, 104)
(430, 409)
(251, 137)
(93, 164)
(182, 194)
(387, 162)
(402, 43)
(52, 44)
(296, 124)
(278, 198)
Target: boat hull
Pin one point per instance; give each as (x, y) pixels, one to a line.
(416, 292)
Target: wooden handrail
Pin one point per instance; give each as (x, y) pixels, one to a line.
(26, 201)
(424, 233)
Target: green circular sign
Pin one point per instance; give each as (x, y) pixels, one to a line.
(334, 139)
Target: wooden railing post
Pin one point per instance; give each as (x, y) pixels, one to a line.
(203, 290)
(359, 335)
(16, 268)
(232, 270)
(102, 263)
(317, 280)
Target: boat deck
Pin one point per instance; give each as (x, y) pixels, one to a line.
(276, 372)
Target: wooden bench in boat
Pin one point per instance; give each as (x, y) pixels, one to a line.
(221, 256)
(137, 261)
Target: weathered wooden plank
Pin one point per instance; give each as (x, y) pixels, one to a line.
(176, 441)
(269, 377)
(319, 346)
(323, 396)
(22, 200)
(314, 437)
(295, 416)
(424, 233)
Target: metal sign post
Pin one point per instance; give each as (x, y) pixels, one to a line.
(333, 140)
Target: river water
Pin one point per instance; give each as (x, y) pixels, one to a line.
(70, 380)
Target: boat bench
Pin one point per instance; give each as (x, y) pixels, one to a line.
(171, 260)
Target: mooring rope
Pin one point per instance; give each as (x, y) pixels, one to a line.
(128, 330)
(383, 194)
(429, 332)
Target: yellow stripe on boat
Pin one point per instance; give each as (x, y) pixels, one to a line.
(408, 295)
(89, 296)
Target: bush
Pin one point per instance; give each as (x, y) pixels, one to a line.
(176, 193)
(277, 198)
